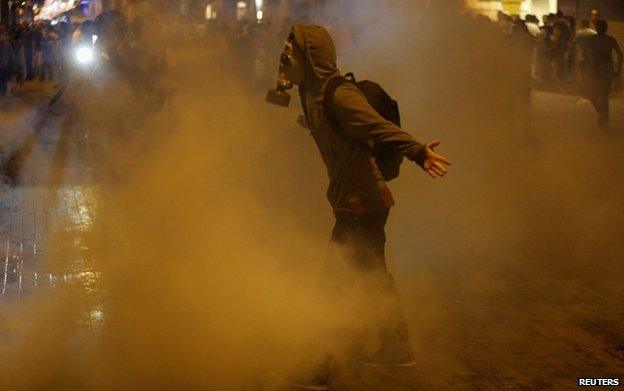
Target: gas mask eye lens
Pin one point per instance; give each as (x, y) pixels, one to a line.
(286, 61)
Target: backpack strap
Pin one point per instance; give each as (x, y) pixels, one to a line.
(304, 105)
(328, 103)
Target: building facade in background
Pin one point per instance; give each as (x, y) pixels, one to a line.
(513, 7)
(221, 10)
(611, 10)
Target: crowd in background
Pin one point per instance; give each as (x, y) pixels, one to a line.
(41, 51)
(550, 53)
(560, 49)
(31, 51)
(564, 53)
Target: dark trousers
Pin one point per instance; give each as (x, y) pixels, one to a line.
(600, 88)
(29, 60)
(3, 82)
(361, 241)
(47, 71)
(561, 69)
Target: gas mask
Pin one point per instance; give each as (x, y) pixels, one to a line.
(280, 96)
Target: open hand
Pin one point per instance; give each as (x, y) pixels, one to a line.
(434, 162)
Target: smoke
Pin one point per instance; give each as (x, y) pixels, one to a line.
(204, 259)
(211, 224)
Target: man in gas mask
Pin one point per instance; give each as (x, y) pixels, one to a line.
(357, 192)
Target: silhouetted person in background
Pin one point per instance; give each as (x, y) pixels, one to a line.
(545, 49)
(64, 51)
(601, 49)
(594, 17)
(5, 60)
(37, 39)
(532, 24)
(29, 52)
(49, 61)
(18, 65)
(521, 45)
(562, 35)
(581, 46)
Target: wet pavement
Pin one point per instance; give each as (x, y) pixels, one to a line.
(498, 340)
(47, 207)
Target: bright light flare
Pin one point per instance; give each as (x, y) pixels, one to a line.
(84, 55)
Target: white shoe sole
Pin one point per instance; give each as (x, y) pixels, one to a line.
(311, 387)
(401, 365)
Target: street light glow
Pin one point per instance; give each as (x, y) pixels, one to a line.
(84, 55)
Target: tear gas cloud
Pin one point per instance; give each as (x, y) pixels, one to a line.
(211, 220)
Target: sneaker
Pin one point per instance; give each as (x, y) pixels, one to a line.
(386, 358)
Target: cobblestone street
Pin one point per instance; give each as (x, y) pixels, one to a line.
(47, 206)
(505, 337)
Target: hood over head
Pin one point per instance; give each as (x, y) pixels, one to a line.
(319, 53)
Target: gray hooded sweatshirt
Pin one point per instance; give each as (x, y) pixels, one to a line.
(356, 184)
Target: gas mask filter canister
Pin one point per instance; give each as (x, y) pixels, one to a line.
(279, 95)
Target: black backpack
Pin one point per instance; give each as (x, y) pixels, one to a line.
(387, 158)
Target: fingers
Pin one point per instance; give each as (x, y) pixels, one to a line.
(439, 168)
(433, 144)
(435, 169)
(434, 164)
(435, 155)
(443, 159)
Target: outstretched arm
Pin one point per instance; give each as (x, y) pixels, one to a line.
(362, 122)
